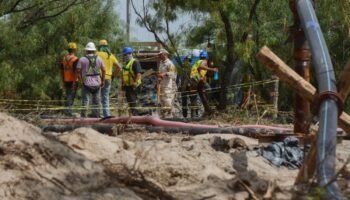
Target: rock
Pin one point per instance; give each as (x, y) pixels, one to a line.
(237, 143)
(241, 195)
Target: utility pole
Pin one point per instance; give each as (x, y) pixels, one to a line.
(128, 20)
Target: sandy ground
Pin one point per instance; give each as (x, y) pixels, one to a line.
(84, 164)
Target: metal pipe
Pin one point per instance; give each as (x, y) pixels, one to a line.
(302, 67)
(326, 137)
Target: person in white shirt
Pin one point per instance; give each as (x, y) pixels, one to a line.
(167, 76)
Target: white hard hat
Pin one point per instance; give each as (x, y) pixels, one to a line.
(90, 47)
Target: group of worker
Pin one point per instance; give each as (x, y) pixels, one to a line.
(95, 70)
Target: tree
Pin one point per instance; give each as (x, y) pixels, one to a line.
(158, 23)
(30, 58)
(223, 12)
(37, 10)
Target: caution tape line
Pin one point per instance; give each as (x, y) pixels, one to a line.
(179, 92)
(114, 108)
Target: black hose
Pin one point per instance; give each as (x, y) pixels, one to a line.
(106, 128)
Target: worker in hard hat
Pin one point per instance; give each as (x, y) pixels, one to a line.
(92, 74)
(112, 67)
(70, 76)
(198, 77)
(167, 76)
(131, 79)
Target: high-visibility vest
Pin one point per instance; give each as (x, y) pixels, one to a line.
(198, 73)
(69, 74)
(129, 75)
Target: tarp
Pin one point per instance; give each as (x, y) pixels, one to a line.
(286, 153)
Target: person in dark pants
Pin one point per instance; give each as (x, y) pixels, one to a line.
(70, 76)
(131, 79)
(198, 76)
(187, 93)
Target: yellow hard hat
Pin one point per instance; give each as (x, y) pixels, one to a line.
(103, 43)
(72, 45)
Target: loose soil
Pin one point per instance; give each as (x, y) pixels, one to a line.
(85, 164)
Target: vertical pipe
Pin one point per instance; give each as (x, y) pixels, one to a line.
(302, 67)
(328, 111)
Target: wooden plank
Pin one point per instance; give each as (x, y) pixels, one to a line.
(286, 74)
(344, 122)
(344, 81)
(296, 82)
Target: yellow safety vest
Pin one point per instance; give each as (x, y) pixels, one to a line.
(198, 74)
(129, 75)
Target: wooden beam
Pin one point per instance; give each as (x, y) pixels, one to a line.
(296, 82)
(286, 74)
(344, 122)
(344, 82)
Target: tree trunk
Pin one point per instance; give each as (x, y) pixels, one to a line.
(230, 59)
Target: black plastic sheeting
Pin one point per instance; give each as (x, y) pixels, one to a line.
(286, 153)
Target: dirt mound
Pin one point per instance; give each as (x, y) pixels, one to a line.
(33, 166)
(185, 167)
(84, 164)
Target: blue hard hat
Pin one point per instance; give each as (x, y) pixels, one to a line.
(127, 50)
(203, 54)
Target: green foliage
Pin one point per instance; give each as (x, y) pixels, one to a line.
(267, 27)
(30, 58)
(317, 194)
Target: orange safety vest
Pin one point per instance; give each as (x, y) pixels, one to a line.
(69, 74)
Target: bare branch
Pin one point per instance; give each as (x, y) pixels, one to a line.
(35, 11)
(252, 13)
(146, 23)
(53, 10)
(145, 20)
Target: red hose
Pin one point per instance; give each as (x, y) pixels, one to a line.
(149, 120)
(125, 120)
